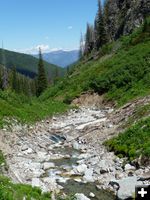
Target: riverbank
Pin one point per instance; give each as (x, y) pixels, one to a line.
(68, 150)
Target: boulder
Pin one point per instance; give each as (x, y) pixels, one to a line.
(126, 187)
(92, 195)
(28, 151)
(145, 176)
(129, 167)
(94, 160)
(78, 180)
(88, 177)
(24, 147)
(76, 145)
(80, 196)
(34, 170)
(103, 166)
(50, 183)
(81, 168)
(42, 156)
(62, 180)
(83, 156)
(48, 165)
(36, 182)
(90, 124)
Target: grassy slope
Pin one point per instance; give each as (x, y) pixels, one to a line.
(135, 141)
(122, 74)
(21, 61)
(10, 191)
(25, 109)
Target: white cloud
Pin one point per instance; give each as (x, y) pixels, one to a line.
(56, 49)
(44, 48)
(34, 50)
(70, 27)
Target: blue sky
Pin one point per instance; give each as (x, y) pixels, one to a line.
(53, 24)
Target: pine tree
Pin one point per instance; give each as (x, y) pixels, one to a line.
(14, 79)
(56, 73)
(33, 87)
(107, 20)
(89, 39)
(0, 77)
(99, 28)
(81, 50)
(67, 70)
(5, 72)
(5, 78)
(41, 79)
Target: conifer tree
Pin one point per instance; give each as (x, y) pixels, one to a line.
(0, 77)
(67, 70)
(5, 72)
(41, 79)
(56, 73)
(5, 78)
(89, 39)
(107, 20)
(81, 50)
(99, 29)
(14, 79)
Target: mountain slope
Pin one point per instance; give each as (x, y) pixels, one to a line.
(61, 58)
(123, 16)
(120, 74)
(27, 64)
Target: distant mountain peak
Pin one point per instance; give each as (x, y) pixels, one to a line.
(61, 57)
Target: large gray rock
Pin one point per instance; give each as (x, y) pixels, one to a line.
(80, 169)
(92, 194)
(145, 176)
(129, 167)
(36, 182)
(76, 145)
(88, 177)
(80, 196)
(28, 151)
(48, 165)
(50, 182)
(24, 147)
(90, 124)
(126, 187)
(103, 166)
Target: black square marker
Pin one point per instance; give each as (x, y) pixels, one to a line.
(142, 192)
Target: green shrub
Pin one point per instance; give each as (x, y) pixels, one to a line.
(10, 191)
(135, 141)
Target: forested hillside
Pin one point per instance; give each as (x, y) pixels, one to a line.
(27, 64)
(120, 71)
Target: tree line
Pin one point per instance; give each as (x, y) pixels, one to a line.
(96, 35)
(12, 80)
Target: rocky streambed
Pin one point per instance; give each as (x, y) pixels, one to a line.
(65, 154)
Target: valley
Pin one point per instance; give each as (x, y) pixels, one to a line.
(75, 125)
(69, 149)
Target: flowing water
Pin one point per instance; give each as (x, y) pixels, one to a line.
(71, 186)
